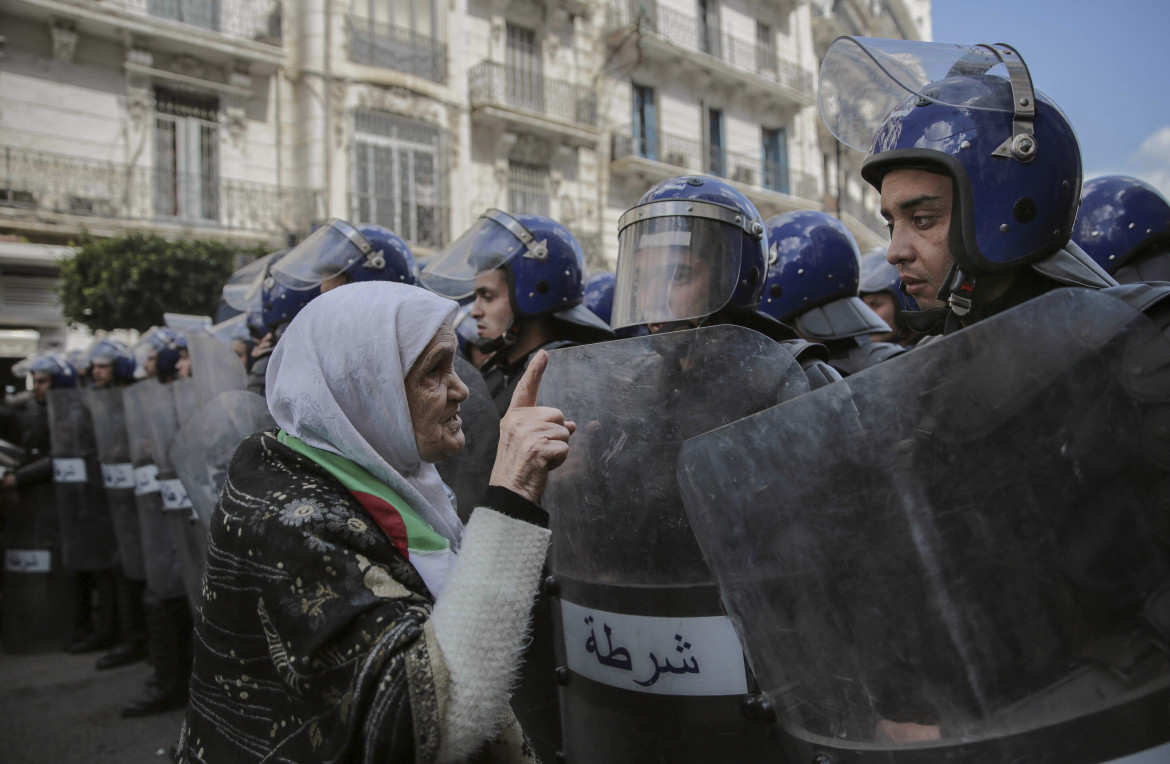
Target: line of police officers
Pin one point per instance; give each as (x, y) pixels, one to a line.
(908, 604)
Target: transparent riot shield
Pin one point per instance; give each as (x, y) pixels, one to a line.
(467, 472)
(214, 367)
(203, 448)
(117, 471)
(651, 669)
(163, 575)
(962, 554)
(87, 532)
(186, 397)
(186, 532)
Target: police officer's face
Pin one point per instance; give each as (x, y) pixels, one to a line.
(492, 311)
(687, 278)
(150, 365)
(433, 393)
(917, 207)
(103, 374)
(41, 385)
(882, 304)
(183, 365)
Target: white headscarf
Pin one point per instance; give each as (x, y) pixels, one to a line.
(337, 381)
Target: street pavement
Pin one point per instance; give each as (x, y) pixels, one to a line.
(57, 709)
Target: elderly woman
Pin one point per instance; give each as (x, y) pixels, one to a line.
(347, 615)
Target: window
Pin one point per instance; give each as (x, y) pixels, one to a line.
(528, 189)
(716, 162)
(186, 158)
(398, 34)
(525, 87)
(645, 123)
(199, 13)
(396, 176)
(776, 159)
(765, 48)
(709, 27)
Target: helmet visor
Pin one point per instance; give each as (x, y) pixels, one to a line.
(326, 253)
(242, 290)
(862, 79)
(494, 239)
(674, 268)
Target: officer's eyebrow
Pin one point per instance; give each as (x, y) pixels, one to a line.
(918, 200)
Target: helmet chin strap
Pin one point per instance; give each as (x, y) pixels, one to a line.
(507, 339)
(958, 290)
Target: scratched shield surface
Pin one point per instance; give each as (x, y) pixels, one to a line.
(654, 667)
(963, 542)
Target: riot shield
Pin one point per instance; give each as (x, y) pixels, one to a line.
(956, 555)
(186, 532)
(186, 398)
(214, 367)
(87, 532)
(652, 670)
(113, 448)
(468, 471)
(203, 447)
(163, 576)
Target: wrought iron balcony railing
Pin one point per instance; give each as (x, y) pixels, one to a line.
(55, 183)
(257, 20)
(688, 32)
(492, 83)
(751, 170)
(375, 43)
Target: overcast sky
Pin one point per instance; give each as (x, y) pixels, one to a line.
(1105, 62)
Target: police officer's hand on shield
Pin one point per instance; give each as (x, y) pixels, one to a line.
(533, 439)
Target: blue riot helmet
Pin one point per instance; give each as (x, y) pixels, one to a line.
(542, 263)
(55, 365)
(599, 294)
(693, 246)
(969, 113)
(166, 367)
(281, 303)
(813, 273)
(149, 345)
(362, 252)
(1124, 225)
(111, 352)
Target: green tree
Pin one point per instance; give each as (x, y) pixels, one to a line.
(128, 282)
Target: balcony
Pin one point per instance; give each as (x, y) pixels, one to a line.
(60, 193)
(731, 60)
(375, 43)
(533, 102)
(771, 187)
(215, 31)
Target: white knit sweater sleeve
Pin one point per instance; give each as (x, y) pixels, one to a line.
(481, 621)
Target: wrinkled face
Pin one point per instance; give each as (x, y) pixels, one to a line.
(882, 304)
(492, 311)
(917, 207)
(102, 374)
(41, 385)
(183, 365)
(433, 393)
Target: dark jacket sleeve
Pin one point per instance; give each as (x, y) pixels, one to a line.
(37, 471)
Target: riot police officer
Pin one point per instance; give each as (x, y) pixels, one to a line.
(814, 273)
(979, 174)
(112, 366)
(527, 275)
(1124, 225)
(693, 252)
